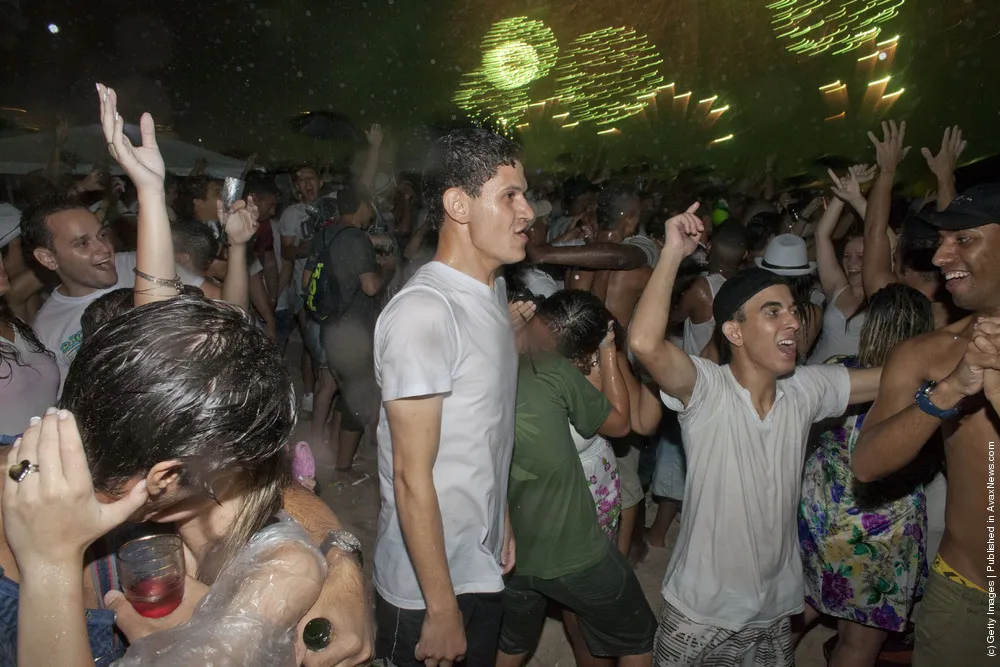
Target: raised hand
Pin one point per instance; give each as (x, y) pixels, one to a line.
(682, 232)
(608, 342)
(952, 146)
(143, 164)
(847, 188)
(375, 135)
(863, 173)
(240, 222)
(890, 151)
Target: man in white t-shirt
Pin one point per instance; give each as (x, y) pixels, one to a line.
(735, 576)
(66, 238)
(446, 362)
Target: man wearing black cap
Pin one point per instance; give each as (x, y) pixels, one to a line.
(735, 576)
(950, 379)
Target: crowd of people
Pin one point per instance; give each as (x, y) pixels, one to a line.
(791, 374)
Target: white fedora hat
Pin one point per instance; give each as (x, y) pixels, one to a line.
(786, 255)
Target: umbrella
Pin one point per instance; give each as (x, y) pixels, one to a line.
(27, 153)
(329, 125)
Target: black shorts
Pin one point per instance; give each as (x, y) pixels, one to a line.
(398, 630)
(614, 616)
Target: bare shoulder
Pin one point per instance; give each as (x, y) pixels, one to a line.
(932, 355)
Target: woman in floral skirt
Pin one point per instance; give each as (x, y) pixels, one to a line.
(863, 546)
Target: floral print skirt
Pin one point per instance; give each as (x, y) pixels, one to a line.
(601, 469)
(862, 560)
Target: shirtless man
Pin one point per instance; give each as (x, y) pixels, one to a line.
(952, 376)
(618, 209)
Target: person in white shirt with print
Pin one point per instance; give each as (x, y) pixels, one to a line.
(446, 362)
(735, 576)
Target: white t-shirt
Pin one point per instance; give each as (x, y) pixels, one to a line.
(737, 562)
(295, 222)
(58, 321)
(447, 333)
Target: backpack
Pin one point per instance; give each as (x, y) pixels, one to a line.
(323, 299)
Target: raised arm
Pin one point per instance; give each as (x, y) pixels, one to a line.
(672, 369)
(831, 274)
(374, 135)
(155, 275)
(596, 256)
(896, 429)
(644, 405)
(240, 224)
(876, 265)
(613, 385)
(944, 163)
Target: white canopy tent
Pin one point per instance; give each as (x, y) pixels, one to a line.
(27, 153)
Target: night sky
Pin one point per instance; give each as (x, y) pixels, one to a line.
(233, 73)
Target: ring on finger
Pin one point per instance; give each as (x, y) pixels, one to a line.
(19, 471)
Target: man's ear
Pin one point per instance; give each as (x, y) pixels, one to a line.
(46, 258)
(457, 205)
(733, 333)
(164, 477)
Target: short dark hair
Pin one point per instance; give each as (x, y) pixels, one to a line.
(611, 202)
(305, 165)
(189, 189)
(761, 228)
(464, 159)
(349, 200)
(729, 242)
(574, 188)
(197, 240)
(35, 231)
(261, 186)
(104, 309)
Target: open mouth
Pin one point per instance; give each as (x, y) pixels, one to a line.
(787, 347)
(956, 279)
(105, 264)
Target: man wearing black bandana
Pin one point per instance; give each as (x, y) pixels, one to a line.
(735, 576)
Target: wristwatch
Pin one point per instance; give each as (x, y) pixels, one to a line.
(922, 399)
(343, 540)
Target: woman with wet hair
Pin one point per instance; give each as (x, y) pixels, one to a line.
(863, 547)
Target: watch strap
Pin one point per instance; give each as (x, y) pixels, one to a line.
(922, 399)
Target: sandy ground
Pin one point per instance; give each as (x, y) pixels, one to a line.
(357, 508)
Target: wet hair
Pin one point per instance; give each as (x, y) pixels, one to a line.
(578, 321)
(464, 159)
(729, 243)
(35, 230)
(197, 240)
(611, 202)
(9, 354)
(189, 189)
(722, 344)
(104, 309)
(761, 228)
(192, 380)
(894, 313)
(116, 302)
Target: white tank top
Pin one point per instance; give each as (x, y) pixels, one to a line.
(696, 336)
(838, 335)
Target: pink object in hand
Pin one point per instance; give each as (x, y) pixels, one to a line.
(303, 463)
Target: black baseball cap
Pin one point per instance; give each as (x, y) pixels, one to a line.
(739, 289)
(975, 207)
